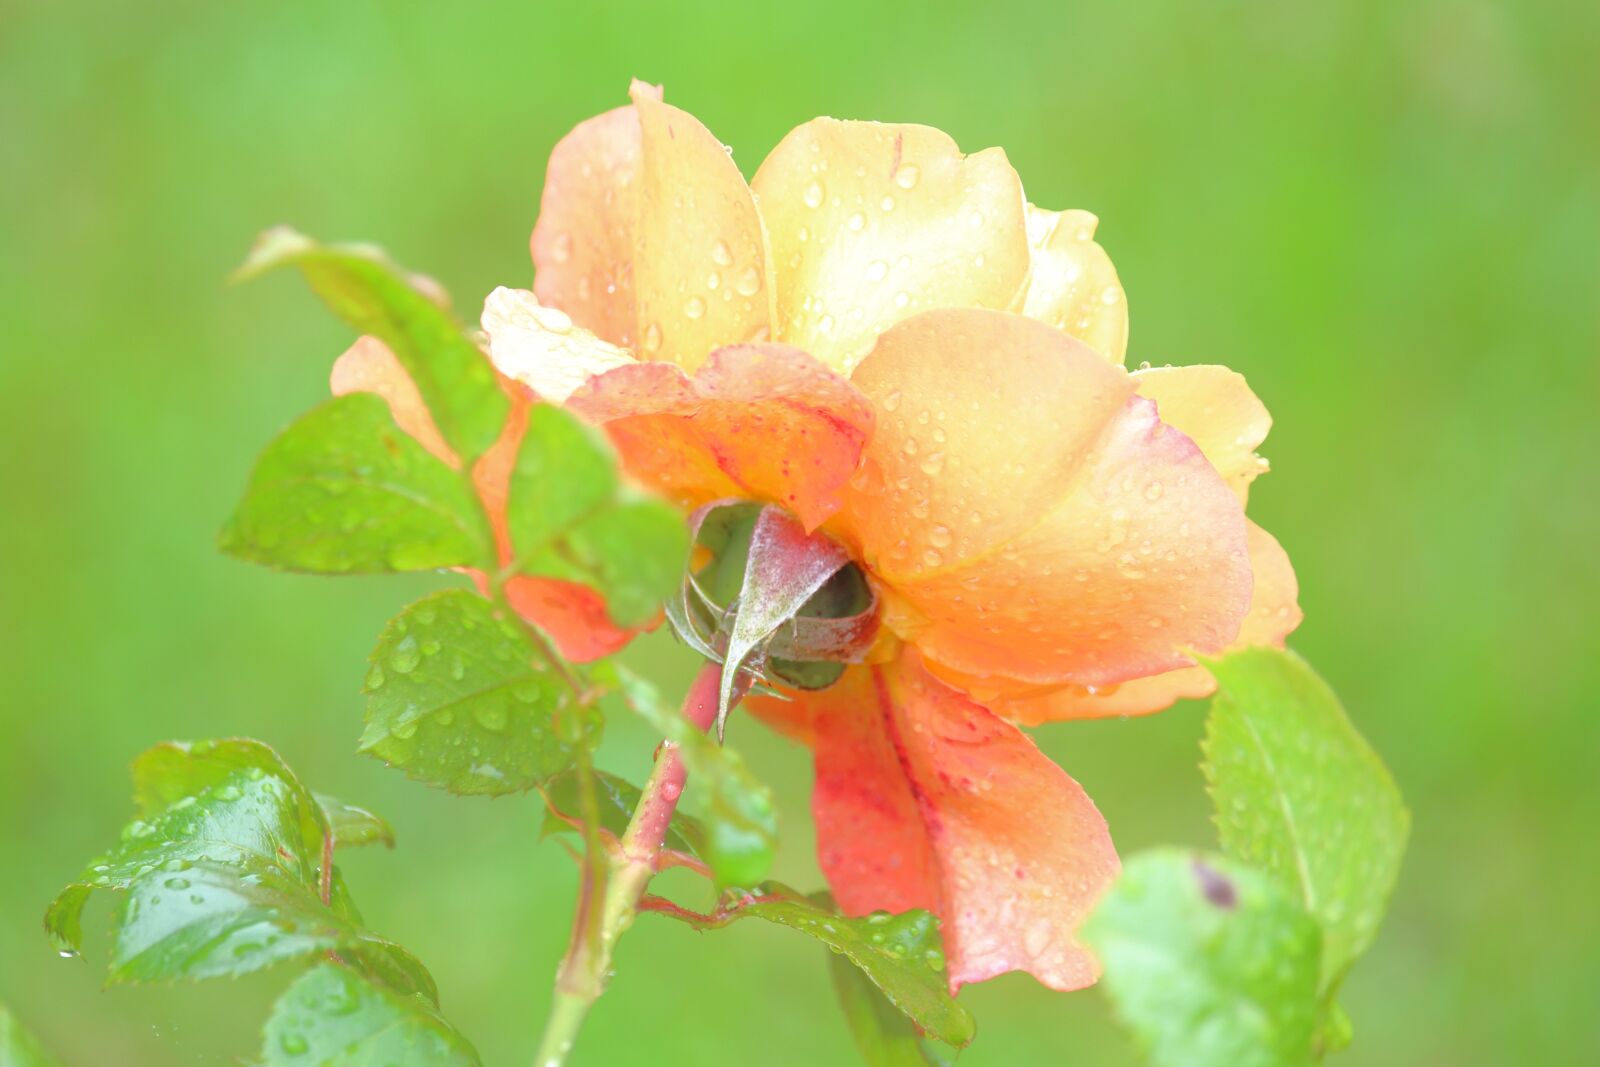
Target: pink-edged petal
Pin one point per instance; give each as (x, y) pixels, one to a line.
(873, 222)
(583, 243)
(369, 367)
(1033, 520)
(1216, 409)
(1073, 285)
(764, 421)
(926, 799)
(1274, 614)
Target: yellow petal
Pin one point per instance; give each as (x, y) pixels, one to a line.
(1274, 613)
(1034, 519)
(700, 262)
(871, 223)
(583, 243)
(541, 347)
(1215, 407)
(1073, 286)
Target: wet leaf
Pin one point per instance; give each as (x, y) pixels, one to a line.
(1210, 964)
(1301, 795)
(220, 875)
(883, 1036)
(376, 297)
(345, 491)
(458, 698)
(333, 1017)
(741, 824)
(900, 955)
(570, 518)
(353, 825)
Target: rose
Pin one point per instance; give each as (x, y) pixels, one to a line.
(882, 336)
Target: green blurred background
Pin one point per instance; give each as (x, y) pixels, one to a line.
(1386, 214)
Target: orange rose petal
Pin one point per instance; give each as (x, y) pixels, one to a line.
(925, 799)
(700, 259)
(1217, 410)
(369, 367)
(760, 420)
(1034, 520)
(871, 223)
(583, 243)
(1073, 286)
(1274, 614)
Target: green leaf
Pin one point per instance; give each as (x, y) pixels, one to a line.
(332, 1017)
(18, 1048)
(884, 1036)
(900, 955)
(213, 920)
(1211, 964)
(457, 697)
(173, 770)
(569, 518)
(741, 822)
(221, 875)
(352, 825)
(376, 297)
(345, 491)
(618, 799)
(1301, 795)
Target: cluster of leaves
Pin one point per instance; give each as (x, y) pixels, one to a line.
(1236, 960)
(228, 866)
(227, 869)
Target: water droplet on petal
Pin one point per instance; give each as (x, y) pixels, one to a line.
(814, 194)
(695, 307)
(749, 282)
(721, 256)
(906, 176)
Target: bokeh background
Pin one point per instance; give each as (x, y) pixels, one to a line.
(1386, 214)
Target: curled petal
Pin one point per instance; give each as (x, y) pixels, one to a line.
(871, 223)
(1217, 410)
(369, 367)
(542, 347)
(762, 421)
(583, 243)
(1073, 285)
(926, 799)
(1274, 613)
(1034, 520)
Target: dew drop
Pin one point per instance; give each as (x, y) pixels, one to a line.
(406, 656)
(749, 282)
(814, 194)
(856, 221)
(652, 338)
(720, 254)
(877, 270)
(939, 535)
(695, 307)
(562, 249)
(906, 177)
